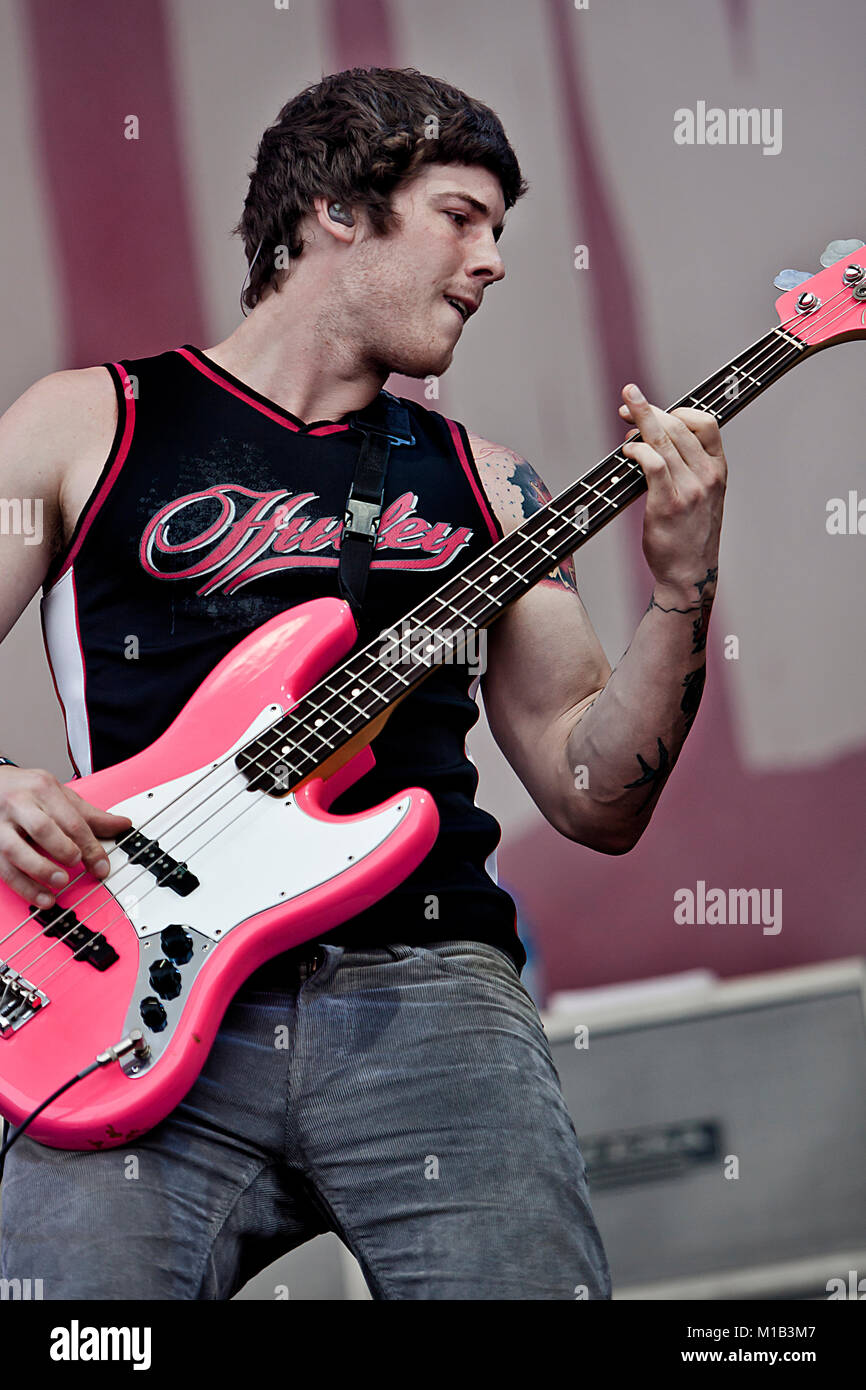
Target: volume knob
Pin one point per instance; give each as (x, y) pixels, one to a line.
(177, 944)
(152, 1014)
(165, 979)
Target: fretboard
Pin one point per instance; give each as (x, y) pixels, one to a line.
(367, 683)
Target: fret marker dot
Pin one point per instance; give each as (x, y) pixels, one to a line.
(357, 690)
(615, 478)
(317, 722)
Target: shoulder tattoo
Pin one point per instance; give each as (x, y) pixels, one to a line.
(517, 493)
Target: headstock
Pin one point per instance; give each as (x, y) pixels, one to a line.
(829, 307)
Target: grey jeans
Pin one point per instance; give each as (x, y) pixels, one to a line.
(402, 1096)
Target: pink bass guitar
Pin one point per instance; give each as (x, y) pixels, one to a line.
(233, 856)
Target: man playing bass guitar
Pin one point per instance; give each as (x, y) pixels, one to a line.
(390, 1081)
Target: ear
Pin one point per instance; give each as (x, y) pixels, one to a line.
(340, 230)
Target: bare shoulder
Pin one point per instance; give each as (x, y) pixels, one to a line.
(515, 491)
(59, 419)
(55, 438)
(50, 438)
(509, 480)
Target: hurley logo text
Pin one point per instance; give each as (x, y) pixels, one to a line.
(229, 536)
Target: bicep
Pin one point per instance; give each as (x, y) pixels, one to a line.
(545, 660)
(37, 434)
(545, 665)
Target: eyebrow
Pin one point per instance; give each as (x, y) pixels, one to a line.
(477, 205)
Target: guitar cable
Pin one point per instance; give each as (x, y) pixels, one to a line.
(134, 1042)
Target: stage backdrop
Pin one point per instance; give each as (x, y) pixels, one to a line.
(113, 247)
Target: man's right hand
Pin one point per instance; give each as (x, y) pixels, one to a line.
(38, 813)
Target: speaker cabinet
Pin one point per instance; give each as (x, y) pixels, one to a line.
(724, 1132)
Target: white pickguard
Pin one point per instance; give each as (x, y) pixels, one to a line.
(249, 851)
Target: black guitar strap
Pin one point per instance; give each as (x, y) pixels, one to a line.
(383, 422)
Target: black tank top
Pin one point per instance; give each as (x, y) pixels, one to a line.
(216, 510)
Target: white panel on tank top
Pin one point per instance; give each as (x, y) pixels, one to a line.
(491, 867)
(67, 662)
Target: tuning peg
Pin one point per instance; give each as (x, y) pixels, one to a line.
(836, 250)
(789, 279)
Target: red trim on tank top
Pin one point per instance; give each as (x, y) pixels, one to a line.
(96, 499)
(474, 480)
(220, 377)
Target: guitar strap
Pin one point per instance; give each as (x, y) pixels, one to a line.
(383, 422)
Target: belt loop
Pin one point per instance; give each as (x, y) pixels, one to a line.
(310, 962)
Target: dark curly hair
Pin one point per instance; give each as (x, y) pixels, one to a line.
(354, 138)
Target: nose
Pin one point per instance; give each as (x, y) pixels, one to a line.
(486, 262)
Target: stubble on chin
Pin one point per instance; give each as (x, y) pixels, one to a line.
(418, 361)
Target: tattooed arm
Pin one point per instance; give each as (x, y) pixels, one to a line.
(631, 739)
(516, 492)
(545, 664)
(594, 747)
